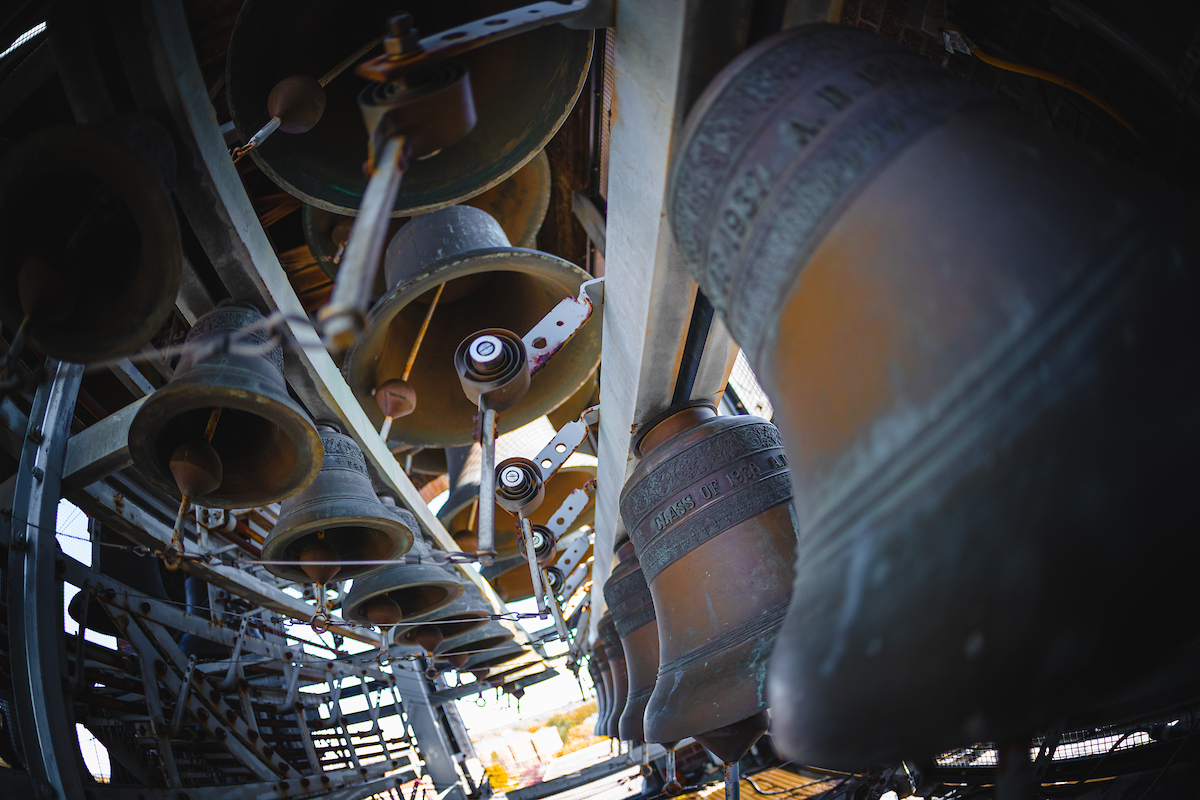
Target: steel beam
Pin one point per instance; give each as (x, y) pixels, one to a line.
(35, 623)
(427, 728)
(666, 52)
(100, 449)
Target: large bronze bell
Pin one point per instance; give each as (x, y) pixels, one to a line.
(265, 446)
(519, 203)
(708, 509)
(979, 343)
(92, 249)
(632, 608)
(488, 284)
(404, 592)
(466, 614)
(523, 88)
(611, 643)
(337, 518)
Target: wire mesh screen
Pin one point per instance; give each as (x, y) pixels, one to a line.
(748, 389)
(1079, 744)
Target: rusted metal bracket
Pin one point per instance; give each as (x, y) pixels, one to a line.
(404, 56)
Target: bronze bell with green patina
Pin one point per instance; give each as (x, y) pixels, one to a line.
(224, 431)
(632, 610)
(336, 527)
(611, 643)
(708, 509)
(403, 592)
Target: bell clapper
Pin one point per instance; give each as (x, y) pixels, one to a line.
(303, 88)
(322, 619)
(197, 470)
(404, 392)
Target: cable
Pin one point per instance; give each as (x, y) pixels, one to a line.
(1045, 75)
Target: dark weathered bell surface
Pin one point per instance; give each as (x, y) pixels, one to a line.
(92, 247)
(460, 512)
(979, 343)
(601, 700)
(488, 284)
(338, 511)
(417, 590)
(466, 614)
(708, 509)
(482, 639)
(620, 675)
(632, 610)
(496, 656)
(267, 445)
(600, 658)
(523, 88)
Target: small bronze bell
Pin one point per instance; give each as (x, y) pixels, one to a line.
(496, 656)
(336, 518)
(265, 445)
(461, 649)
(708, 509)
(404, 592)
(632, 607)
(523, 89)
(91, 262)
(979, 343)
(487, 284)
(466, 614)
(620, 675)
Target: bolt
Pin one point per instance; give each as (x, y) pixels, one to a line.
(145, 607)
(38, 474)
(485, 351)
(512, 477)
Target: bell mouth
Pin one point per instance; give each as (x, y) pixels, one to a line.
(124, 240)
(524, 88)
(731, 742)
(497, 287)
(353, 538)
(269, 449)
(450, 627)
(472, 648)
(422, 599)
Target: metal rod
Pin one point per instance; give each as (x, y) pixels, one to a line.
(412, 355)
(345, 63)
(535, 572)
(257, 139)
(345, 314)
(560, 624)
(733, 783)
(487, 485)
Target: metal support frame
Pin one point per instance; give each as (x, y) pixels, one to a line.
(427, 728)
(666, 52)
(35, 633)
(161, 61)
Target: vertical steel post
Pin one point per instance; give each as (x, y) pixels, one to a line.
(430, 737)
(36, 623)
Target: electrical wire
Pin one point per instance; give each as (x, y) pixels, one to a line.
(1050, 77)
